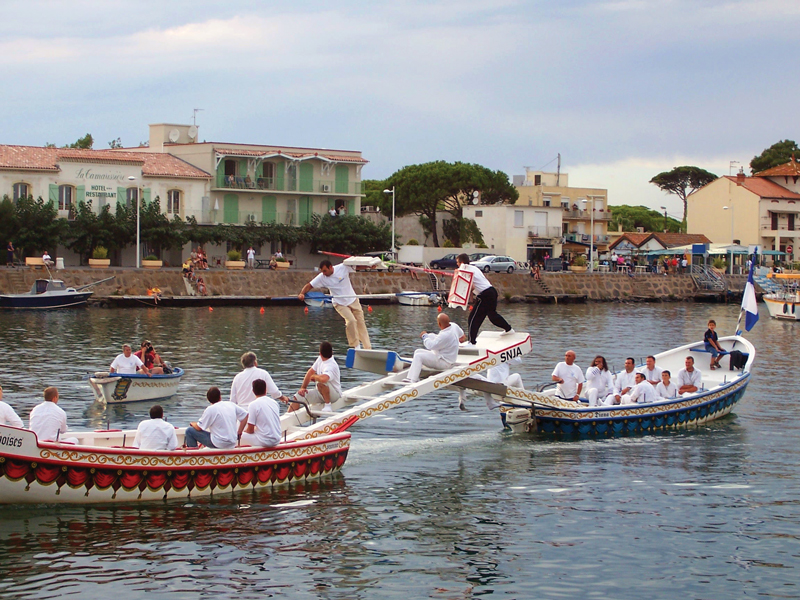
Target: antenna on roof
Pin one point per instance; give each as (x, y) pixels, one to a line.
(194, 115)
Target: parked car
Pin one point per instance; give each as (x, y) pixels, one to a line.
(388, 258)
(446, 262)
(478, 256)
(496, 264)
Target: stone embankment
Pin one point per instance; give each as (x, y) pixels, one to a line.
(516, 287)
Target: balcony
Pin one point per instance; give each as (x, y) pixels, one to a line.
(288, 184)
(584, 238)
(213, 217)
(544, 232)
(583, 215)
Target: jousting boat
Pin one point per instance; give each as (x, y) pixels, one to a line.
(103, 467)
(113, 388)
(523, 410)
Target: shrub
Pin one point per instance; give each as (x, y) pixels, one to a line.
(482, 245)
(448, 244)
(99, 253)
(151, 257)
(281, 259)
(580, 261)
(720, 263)
(234, 255)
(412, 242)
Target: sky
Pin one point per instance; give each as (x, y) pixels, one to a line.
(622, 89)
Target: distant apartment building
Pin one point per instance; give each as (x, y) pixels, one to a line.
(582, 219)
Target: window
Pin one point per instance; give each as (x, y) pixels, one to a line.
(478, 213)
(546, 202)
(230, 168)
(519, 218)
(65, 195)
(131, 197)
(174, 202)
(21, 190)
(537, 180)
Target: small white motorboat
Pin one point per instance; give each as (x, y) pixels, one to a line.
(113, 388)
(784, 303)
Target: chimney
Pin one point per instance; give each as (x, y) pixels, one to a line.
(740, 176)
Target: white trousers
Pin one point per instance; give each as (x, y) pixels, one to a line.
(315, 396)
(426, 358)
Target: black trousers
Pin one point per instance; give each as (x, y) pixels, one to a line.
(485, 306)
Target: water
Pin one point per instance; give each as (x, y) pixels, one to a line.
(433, 502)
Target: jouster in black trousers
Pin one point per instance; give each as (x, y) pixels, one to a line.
(485, 306)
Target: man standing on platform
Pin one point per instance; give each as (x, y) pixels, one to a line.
(345, 301)
(485, 301)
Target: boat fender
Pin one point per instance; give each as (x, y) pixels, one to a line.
(785, 308)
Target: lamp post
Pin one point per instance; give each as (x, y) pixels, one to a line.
(664, 208)
(591, 233)
(131, 178)
(731, 209)
(391, 191)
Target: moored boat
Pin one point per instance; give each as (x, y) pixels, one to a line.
(114, 388)
(784, 303)
(48, 293)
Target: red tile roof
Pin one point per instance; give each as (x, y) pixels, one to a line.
(790, 169)
(294, 155)
(765, 188)
(34, 158)
(636, 239)
(670, 240)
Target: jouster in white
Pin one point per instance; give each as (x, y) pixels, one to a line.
(642, 393)
(242, 386)
(155, 433)
(569, 377)
(442, 349)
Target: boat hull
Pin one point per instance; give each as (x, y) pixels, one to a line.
(115, 389)
(43, 301)
(34, 472)
(408, 299)
(784, 308)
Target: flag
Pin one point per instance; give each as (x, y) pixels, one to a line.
(749, 303)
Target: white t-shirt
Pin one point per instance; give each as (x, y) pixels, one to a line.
(654, 375)
(221, 420)
(338, 283)
(663, 391)
(694, 378)
(265, 415)
(155, 434)
(242, 386)
(444, 343)
(624, 380)
(251, 253)
(479, 281)
(126, 365)
(643, 392)
(8, 416)
(48, 421)
(599, 380)
(331, 369)
(572, 376)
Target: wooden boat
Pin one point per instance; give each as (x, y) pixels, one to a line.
(114, 388)
(524, 410)
(784, 302)
(103, 467)
(49, 293)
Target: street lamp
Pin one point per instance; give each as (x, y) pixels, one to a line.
(391, 191)
(664, 208)
(131, 178)
(731, 209)
(591, 234)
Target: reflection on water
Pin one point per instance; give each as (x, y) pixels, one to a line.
(432, 502)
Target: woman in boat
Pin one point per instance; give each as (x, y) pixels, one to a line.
(599, 383)
(150, 358)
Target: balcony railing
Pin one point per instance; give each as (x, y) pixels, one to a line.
(584, 238)
(288, 184)
(583, 215)
(536, 231)
(212, 217)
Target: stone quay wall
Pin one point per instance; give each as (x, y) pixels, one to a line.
(515, 287)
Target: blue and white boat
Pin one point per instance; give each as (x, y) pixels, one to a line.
(113, 388)
(48, 293)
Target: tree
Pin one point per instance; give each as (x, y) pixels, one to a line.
(427, 188)
(88, 230)
(374, 196)
(347, 234)
(683, 181)
(38, 226)
(114, 144)
(157, 230)
(779, 153)
(631, 217)
(86, 142)
(8, 222)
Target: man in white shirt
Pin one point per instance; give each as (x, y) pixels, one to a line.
(666, 389)
(337, 280)
(242, 386)
(155, 433)
(651, 372)
(48, 421)
(251, 257)
(485, 304)
(263, 426)
(569, 378)
(642, 392)
(325, 373)
(624, 383)
(442, 349)
(689, 379)
(217, 428)
(47, 259)
(127, 363)
(7, 414)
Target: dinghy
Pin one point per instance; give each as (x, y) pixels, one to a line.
(113, 388)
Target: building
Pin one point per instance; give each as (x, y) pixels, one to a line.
(759, 210)
(584, 215)
(642, 243)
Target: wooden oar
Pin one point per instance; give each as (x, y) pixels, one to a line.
(409, 267)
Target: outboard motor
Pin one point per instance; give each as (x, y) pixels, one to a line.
(518, 420)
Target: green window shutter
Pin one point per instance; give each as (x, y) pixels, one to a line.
(221, 174)
(342, 179)
(304, 211)
(53, 195)
(306, 177)
(81, 193)
(269, 210)
(243, 167)
(231, 209)
(280, 172)
(351, 207)
(331, 203)
(122, 195)
(146, 196)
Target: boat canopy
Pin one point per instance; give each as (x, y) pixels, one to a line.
(40, 286)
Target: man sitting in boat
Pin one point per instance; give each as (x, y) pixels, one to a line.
(442, 349)
(148, 355)
(263, 426)
(651, 372)
(689, 379)
(642, 393)
(569, 378)
(7, 414)
(325, 373)
(217, 428)
(155, 433)
(49, 421)
(624, 383)
(599, 382)
(242, 386)
(665, 388)
(127, 363)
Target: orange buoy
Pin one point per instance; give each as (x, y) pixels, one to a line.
(369, 309)
(210, 309)
(439, 309)
(305, 310)
(262, 310)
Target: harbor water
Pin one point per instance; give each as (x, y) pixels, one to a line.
(433, 502)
